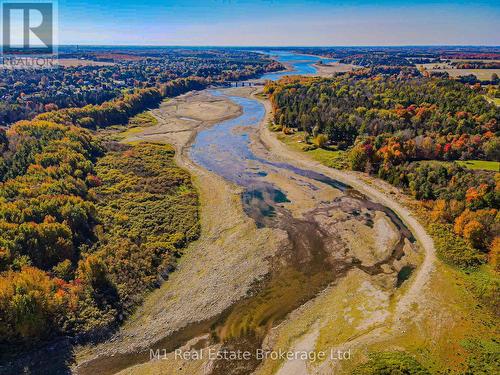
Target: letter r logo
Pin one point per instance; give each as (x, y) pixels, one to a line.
(27, 28)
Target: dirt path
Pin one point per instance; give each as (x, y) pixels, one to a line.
(358, 181)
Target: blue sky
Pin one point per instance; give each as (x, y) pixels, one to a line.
(274, 22)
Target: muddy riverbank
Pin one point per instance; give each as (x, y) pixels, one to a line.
(283, 268)
(288, 249)
(215, 271)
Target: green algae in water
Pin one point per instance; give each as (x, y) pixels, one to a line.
(280, 197)
(404, 274)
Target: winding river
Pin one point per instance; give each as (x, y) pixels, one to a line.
(315, 255)
(300, 64)
(314, 259)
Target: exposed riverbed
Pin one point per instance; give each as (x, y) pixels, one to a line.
(329, 228)
(316, 255)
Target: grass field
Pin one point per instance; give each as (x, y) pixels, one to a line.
(135, 125)
(481, 165)
(330, 158)
(481, 74)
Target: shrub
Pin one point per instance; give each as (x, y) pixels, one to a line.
(391, 363)
(357, 158)
(309, 147)
(453, 249)
(494, 254)
(483, 358)
(320, 140)
(30, 302)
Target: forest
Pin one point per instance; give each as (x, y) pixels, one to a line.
(371, 56)
(24, 93)
(87, 226)
(409, 132)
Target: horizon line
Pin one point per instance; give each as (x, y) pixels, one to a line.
(277, 46)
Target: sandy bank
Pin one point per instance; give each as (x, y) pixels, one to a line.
(359, 182)
(329, 69)
(216, 270)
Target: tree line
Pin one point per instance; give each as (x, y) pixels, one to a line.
(86, 227)
(409, 131)
(24, 93)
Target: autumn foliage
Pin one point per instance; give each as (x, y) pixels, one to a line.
(85, 230)
(409, 132)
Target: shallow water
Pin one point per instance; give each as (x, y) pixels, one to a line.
(305, 266)
(312, 260)
(301, 64)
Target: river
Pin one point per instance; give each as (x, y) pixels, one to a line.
(308, 267)
(300, 64)
(315, 256)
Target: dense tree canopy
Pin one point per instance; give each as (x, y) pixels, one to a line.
(413, 118)
(409, 132)
(85, 229)
(24, 93)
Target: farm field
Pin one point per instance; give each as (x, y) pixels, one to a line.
(481, 74)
